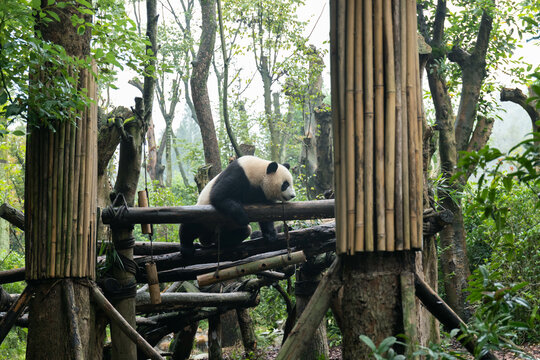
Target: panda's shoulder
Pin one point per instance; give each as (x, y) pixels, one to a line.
(254, 168)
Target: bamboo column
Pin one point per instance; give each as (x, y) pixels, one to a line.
(60, 211)
(377, 120)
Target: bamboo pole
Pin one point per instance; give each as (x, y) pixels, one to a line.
(398, 188)
(60, 214)
(45, 255)
(89, 181)
(405, 128)
(390, 124)
(368, 127)
(65, 196)
(349, 127)
(251, 268)
(359, 128)
(342, 202)
(72, 195)
(420, 161)
(341, 246)
(379, 126)
(412, 119)
(94, 214)
(52, 179)
(75, 214)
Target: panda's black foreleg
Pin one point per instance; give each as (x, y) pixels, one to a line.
(188, 233)
(268, 230)
(231, 238)
(232, 209)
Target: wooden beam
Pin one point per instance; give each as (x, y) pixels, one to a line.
(12, 215)
(171, 301)
(321, 209)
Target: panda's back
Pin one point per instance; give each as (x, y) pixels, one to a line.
(233, 183)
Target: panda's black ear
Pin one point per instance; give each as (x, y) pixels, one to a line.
(272, 167)
(287, 166)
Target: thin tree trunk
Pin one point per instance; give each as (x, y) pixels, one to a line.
(199, 89)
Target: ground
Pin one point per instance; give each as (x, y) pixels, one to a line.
(270, 353)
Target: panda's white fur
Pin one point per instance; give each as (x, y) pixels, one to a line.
(255, 170)
(247, 180)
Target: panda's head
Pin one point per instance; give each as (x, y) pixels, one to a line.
(277, 183)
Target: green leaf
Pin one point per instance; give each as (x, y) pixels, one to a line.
(387, 344)
(81, 29)
(368, 342)
(3, 97)
(19, 133)
(53, 15)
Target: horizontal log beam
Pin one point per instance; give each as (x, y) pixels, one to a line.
(313, 240)
(171, 301)
(301, 210)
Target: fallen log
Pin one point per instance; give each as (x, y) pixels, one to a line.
(302, 210)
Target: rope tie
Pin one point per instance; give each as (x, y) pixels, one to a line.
(286, 230)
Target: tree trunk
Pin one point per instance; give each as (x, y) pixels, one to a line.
(4, 225)
(60, 193)
(372, 303)
(270, 118)
(324, 179)
(199, 90)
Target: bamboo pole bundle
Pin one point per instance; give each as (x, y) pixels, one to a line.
(390, 128)
(359, 128)
(368, 127)
(349, 126)
(379, 126)
(398, 188)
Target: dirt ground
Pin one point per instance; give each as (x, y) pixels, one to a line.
(335, 353)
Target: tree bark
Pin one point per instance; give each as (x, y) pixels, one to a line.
(372, 299)
(199, 90)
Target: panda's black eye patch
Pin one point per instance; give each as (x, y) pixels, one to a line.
(284, 186)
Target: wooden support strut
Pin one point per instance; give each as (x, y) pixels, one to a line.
(115, 316)
(445, 315)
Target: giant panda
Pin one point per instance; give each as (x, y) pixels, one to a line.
(247, 180)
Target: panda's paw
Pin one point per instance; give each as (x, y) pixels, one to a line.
(187, 251)
(269, 236)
